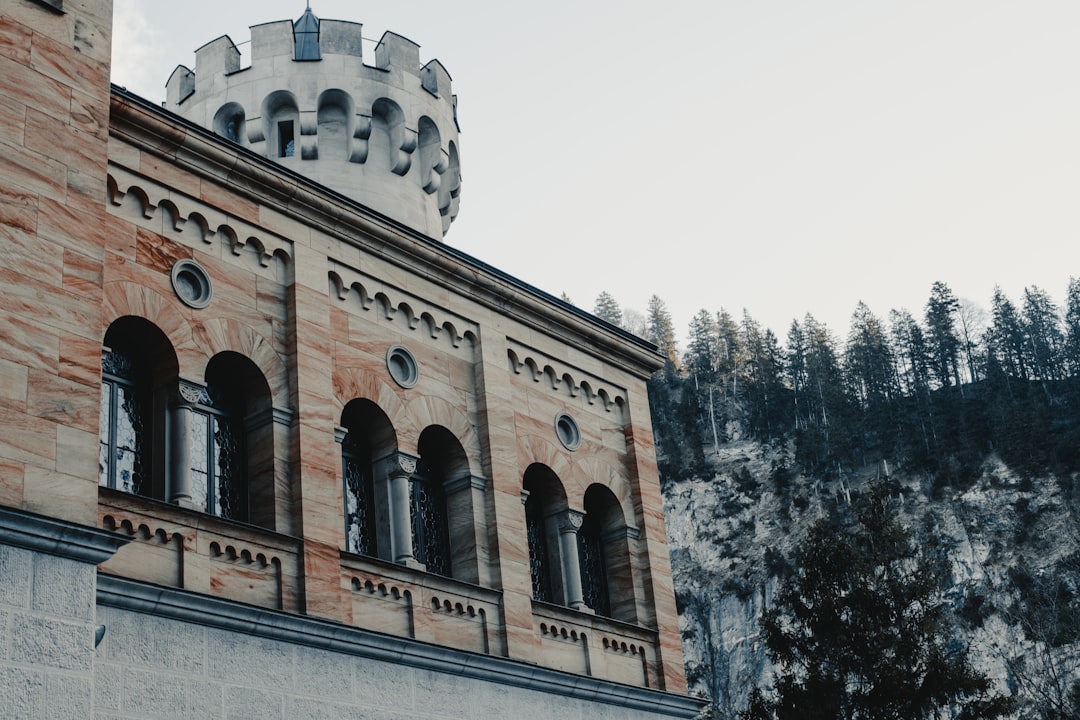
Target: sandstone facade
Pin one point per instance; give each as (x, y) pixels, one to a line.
(322, 438)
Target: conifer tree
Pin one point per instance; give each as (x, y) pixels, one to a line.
(700, 359)
(944, 343)
(868, 359)
(913, 360)
(1005, 340)
(1042, 330)
(607, 308)
(660, 329)
(861, 631)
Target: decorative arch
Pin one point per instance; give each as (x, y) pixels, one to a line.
(282, 125)
(432, 163)
(354, 382)
(229, 123)
(425, 411)
(219, 335)
(334, 116)
(124, 298)
(390, 137)
(533, 449)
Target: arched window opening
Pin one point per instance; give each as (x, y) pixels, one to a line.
(123, 407)
(359, 490)
(368, 436)
(441, 459)
(137, 362)
(604, 550)
(594, 581)
(230, 437)
(283, 117)
(229, 122)
(539, 556)
(545, 512)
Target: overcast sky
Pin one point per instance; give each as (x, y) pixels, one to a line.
(781, 156)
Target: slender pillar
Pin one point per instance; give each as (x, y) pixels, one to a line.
(400, 468)
(180, 454)
(569, 522)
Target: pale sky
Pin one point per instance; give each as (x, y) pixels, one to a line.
(781, 156)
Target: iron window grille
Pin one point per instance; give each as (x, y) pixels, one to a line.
(539, 567)
(217, 456)
(359, 496)
(594, 585)
(430, 532)
(120, 459)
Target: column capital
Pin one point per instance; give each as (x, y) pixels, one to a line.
(399, 464)
(569, 521)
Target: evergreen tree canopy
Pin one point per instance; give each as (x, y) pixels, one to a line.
(860, 631)
(607, 308)
(660, 329)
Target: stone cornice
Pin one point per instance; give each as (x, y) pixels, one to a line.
(312, 632)
(197, 150)
(57, 537)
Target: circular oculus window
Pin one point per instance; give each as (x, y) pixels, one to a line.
(402, 366)
(566, 428)
(191, 284)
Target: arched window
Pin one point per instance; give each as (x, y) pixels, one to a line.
(368, 436)
(123, 407)
(441, 459)
(546, 518)
(607, 582)
(594, 580)
(283, 124)
(230, 438)
(137, 363)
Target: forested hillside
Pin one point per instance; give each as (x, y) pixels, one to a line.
(968, 414)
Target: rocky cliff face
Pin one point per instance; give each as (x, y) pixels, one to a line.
(1013, 543)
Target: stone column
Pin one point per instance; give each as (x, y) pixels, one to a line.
(180, 444)
(400, 468)
(568, 523)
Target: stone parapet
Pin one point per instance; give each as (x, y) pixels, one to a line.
(385, 134)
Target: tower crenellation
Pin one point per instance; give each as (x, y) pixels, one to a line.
(384, 134)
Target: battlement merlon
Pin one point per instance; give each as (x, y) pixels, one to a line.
(394, 53)
(219, 57)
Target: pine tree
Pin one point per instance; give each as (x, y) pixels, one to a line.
(607, 308)
(868, 359)
(660, 330)
(944, 343)
(861, 630)
(912, 356)
(1005, 339)
(1042, 330)
(700, 359)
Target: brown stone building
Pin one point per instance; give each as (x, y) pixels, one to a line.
(298, 457)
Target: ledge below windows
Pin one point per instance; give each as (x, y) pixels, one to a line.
(414, 604)
(598, 646)
(182, 548)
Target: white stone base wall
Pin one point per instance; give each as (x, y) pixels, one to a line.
(153, 667)
(47, 648)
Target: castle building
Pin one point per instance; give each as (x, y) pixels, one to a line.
(271, 447)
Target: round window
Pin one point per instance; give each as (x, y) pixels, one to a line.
(191, 284)
(567, 430)
(402, 366)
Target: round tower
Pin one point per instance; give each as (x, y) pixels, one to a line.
(385, 135)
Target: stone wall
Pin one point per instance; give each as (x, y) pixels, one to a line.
(153, 667)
